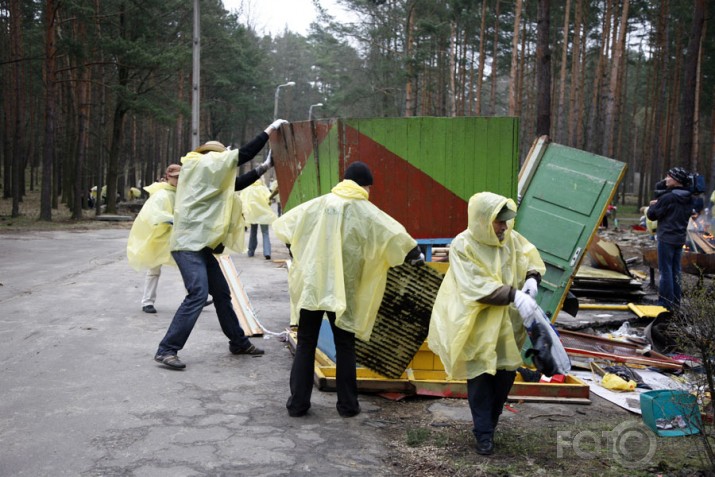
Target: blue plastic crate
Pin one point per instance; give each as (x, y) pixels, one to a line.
(677, 408)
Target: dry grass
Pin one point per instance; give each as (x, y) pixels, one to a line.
(29, 217)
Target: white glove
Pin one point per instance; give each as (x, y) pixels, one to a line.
(277, 124)
(418, 261)
(526, 306)
(268, 163)
(531, 288)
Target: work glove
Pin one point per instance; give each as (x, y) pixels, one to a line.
(526, 306)
(531, 288)
(419, 261)
(277, 124)
(265, 165)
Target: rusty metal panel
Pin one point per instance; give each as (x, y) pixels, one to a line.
(425, 168)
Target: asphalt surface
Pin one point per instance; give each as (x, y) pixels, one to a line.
(80, 393)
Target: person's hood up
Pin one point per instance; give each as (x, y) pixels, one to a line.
(482, 210)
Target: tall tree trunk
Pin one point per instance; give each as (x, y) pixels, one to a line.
(50, 73)
(696, 111)
(83, 110)
(482, 55)
(514, 72)
(543, 70)
(687, 105)
(495, 50)
(660, 85)
(15, 106)
(594, 120)
(612, 96)
(561, 106)
(452, 68)
(409, 53)
(576, 65)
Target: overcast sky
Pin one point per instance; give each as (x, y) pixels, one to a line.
(272, 16)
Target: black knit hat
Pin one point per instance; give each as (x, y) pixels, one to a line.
(359, 173)
(681, 175)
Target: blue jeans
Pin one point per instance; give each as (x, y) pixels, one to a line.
(253, 240)
(669, 290)
(486, 395)
(202, 276)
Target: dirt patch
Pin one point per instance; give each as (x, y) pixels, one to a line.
(532, 439)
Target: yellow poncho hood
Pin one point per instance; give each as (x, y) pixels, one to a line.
(148, 243)
(472, 338)
(342, 247)
(208, 210)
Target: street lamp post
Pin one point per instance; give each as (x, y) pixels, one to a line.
(310, 110)
(275, 103)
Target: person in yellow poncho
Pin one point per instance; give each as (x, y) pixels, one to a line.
(342, 246)
(477, 324)
(148, 243)
(257, 211)
(207, 219)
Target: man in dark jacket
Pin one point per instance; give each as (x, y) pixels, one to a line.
(672, 209)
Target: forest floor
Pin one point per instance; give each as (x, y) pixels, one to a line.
(431, 436)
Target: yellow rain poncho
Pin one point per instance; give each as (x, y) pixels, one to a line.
(472, 338)
(256, 206)
(148, 244)
(342, 247)
(208, 210)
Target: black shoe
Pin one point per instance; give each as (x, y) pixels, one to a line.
(149, 309)
(485, 447)
(349, 413)
(268, 257)
(209, 302)
(170, 360)
(297, 413)
(252, 350)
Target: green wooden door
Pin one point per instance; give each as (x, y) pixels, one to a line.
(560, 211)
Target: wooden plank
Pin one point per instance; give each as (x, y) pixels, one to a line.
(239, 299)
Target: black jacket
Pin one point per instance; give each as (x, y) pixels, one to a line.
(672, 211)
(247, 152)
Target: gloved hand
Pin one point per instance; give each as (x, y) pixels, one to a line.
(268, 163)
(277, 124)
(526, 306)
(265, 165)
(419, 261)
(531, 288)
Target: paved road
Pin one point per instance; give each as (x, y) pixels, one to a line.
(81, 395)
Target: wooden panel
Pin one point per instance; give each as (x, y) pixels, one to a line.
(425, 169)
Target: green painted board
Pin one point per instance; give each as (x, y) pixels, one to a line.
(562, 207)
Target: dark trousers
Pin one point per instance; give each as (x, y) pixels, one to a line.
(487, 395)
(301, 374)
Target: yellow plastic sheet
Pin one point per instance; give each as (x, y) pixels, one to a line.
(256, 204)
(205, 199)
(472, 338)
(148, 243)
(342, 247)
